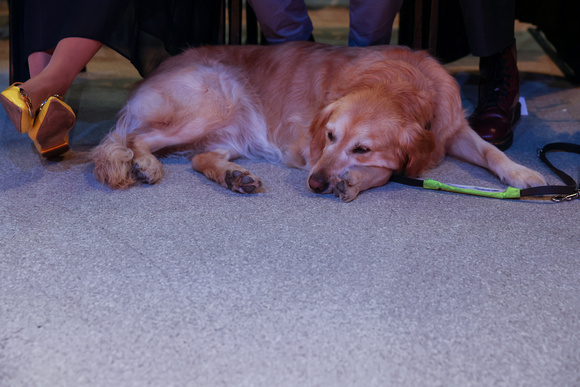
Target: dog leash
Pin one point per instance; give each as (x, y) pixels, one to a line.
(567, 192)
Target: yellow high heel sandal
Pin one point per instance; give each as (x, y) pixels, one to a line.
(18, 107)
(51, 126)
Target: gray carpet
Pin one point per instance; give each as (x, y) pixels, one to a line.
(185, 283)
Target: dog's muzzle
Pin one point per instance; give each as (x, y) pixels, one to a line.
(318, 184)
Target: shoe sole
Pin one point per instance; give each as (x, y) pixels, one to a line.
(51, 139)
(14, 113)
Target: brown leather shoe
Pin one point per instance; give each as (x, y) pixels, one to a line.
(498, 110)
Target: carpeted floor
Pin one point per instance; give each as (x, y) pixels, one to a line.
(185, 283)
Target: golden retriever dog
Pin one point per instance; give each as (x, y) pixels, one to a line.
(350, 116)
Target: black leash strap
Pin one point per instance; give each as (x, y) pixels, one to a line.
(567, 192)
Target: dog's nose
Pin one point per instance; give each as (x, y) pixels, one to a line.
(317, 184)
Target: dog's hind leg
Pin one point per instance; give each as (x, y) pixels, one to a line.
(216, 166)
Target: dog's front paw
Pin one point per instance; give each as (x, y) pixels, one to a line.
(346, 188)
(243, 182)
(522, 177)
(147, 171)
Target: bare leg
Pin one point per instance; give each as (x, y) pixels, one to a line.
(37, 61)
(53, 72)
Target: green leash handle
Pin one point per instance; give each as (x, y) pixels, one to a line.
(508, 193)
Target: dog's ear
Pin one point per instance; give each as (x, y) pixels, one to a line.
(318, 133)
(417, 145)
(416, 105)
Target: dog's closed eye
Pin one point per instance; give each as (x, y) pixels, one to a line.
(359, 149)
(330, 136)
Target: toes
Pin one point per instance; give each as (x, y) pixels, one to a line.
(344, 189)
(341, 190)
(247, 180)
(242, 182)
(231, 177)
(524, 178)
(341, 187)
(145, 176)
(141, 177)
(537, 180)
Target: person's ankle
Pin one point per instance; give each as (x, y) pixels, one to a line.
(39, 90)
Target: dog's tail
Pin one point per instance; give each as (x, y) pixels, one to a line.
(113, 158)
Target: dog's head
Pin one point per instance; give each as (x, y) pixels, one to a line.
(359, 140)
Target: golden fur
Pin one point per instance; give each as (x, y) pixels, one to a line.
(350, 116)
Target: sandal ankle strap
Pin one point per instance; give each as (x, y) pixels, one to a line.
(27, 101)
